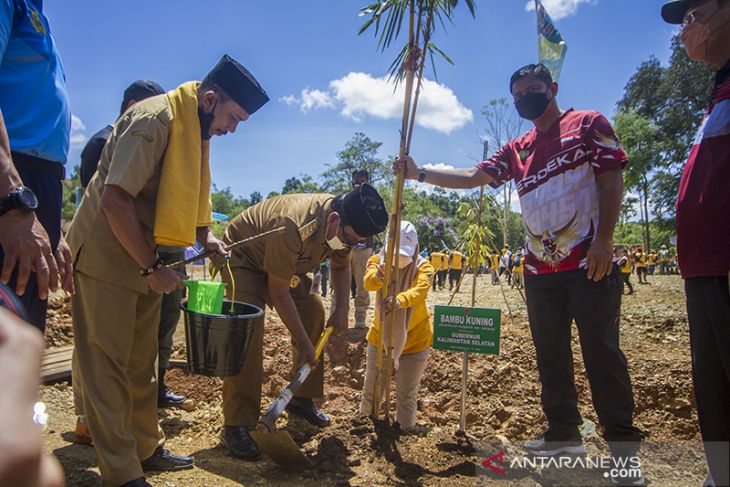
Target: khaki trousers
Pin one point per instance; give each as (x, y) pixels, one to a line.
(407, 381)
(242, 393)
(362, 296)
(115, 348)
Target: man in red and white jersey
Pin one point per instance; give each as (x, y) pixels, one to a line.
(567, 171)
(703, 233)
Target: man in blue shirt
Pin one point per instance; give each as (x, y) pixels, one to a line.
(35, 108)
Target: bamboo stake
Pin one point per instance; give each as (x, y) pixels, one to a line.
(391, 268)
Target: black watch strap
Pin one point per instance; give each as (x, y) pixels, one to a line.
(154, 267)
(421, 174)
(21, 198)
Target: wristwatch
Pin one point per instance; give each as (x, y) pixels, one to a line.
(422, 175)
(22, 198)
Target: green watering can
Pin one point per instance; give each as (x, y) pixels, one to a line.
(205, 297)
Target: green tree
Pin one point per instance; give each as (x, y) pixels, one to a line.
(360, 152)
(503, 125)
(223, 201)
(674, 99)
(638, 135)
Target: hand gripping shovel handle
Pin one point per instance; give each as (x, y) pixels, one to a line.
(244, 242)
(277, 407)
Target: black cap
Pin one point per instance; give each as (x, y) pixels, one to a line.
(673, 11)
(365, 211)
(141, 89)
(239, 84)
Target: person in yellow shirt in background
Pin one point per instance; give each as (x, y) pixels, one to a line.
(440, 263)
(494, 267)
(640, 262)
(653, 259)
(624, 266)
(518, 270)
(413, 330)
(456, 267)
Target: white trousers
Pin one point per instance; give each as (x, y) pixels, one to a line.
(407, 381)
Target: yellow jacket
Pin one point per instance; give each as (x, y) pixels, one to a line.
(438, 261)
(420, 328)
(456, 262)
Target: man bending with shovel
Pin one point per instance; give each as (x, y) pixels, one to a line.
(274, 273)
(152, 188)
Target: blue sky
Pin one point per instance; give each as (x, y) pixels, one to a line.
(324, 80)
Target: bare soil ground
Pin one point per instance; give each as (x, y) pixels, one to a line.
(503, 408)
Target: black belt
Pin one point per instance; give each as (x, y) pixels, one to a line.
(32, 163)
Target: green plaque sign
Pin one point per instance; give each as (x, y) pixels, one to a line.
(466, 329)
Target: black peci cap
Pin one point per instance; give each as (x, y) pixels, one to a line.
(239, 84)
(141, 89)
(673, 11)
(365, 211)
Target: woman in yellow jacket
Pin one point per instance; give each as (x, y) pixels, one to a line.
(413, 330)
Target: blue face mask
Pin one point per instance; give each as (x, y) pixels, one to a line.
(532, 105)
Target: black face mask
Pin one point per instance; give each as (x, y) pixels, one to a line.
(532, 105)
(206, 120)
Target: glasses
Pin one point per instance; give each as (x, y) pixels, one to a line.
(697, 13)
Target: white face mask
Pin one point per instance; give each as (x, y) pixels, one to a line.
(403, 261)
(335, 243)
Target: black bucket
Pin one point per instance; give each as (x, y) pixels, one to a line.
(217, 344)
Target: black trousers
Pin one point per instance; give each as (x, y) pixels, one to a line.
(626, 279)
(169, 311)
(454, 276)
(49, 191)
(553, 302)
(708, 309)
(441, 275)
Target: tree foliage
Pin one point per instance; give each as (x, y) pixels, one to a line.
(673, 99)
(360, 152)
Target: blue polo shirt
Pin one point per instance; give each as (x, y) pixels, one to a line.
(33, 95)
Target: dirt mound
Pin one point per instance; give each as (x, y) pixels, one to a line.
(503, 405)
(59, 328)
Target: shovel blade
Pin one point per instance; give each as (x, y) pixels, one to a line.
(281, 448)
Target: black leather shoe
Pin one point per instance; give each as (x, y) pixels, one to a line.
(162, 460)
(240, 444)
(167, 399)
(138, 482)
(305, 408)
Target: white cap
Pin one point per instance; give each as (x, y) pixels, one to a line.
(408, 239)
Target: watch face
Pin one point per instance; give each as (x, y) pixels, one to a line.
(28, 198)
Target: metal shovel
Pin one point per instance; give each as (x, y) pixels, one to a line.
(278, 444)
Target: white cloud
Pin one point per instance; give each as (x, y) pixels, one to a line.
(77, 124)
(314, 99)
(289, 100)
(78, 141)
(360, 95)
(309, 100)
(438, 107)
(559, 9)
(78, 138)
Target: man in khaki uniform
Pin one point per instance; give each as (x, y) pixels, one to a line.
(157, 152)
(274, 273)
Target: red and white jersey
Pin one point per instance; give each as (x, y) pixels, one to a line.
(555, 176)
(703, 202)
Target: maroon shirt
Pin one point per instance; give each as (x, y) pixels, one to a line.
(703, 203)
(555, 176)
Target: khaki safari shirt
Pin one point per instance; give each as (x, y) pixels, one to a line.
(297, 251)
(132, 160)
